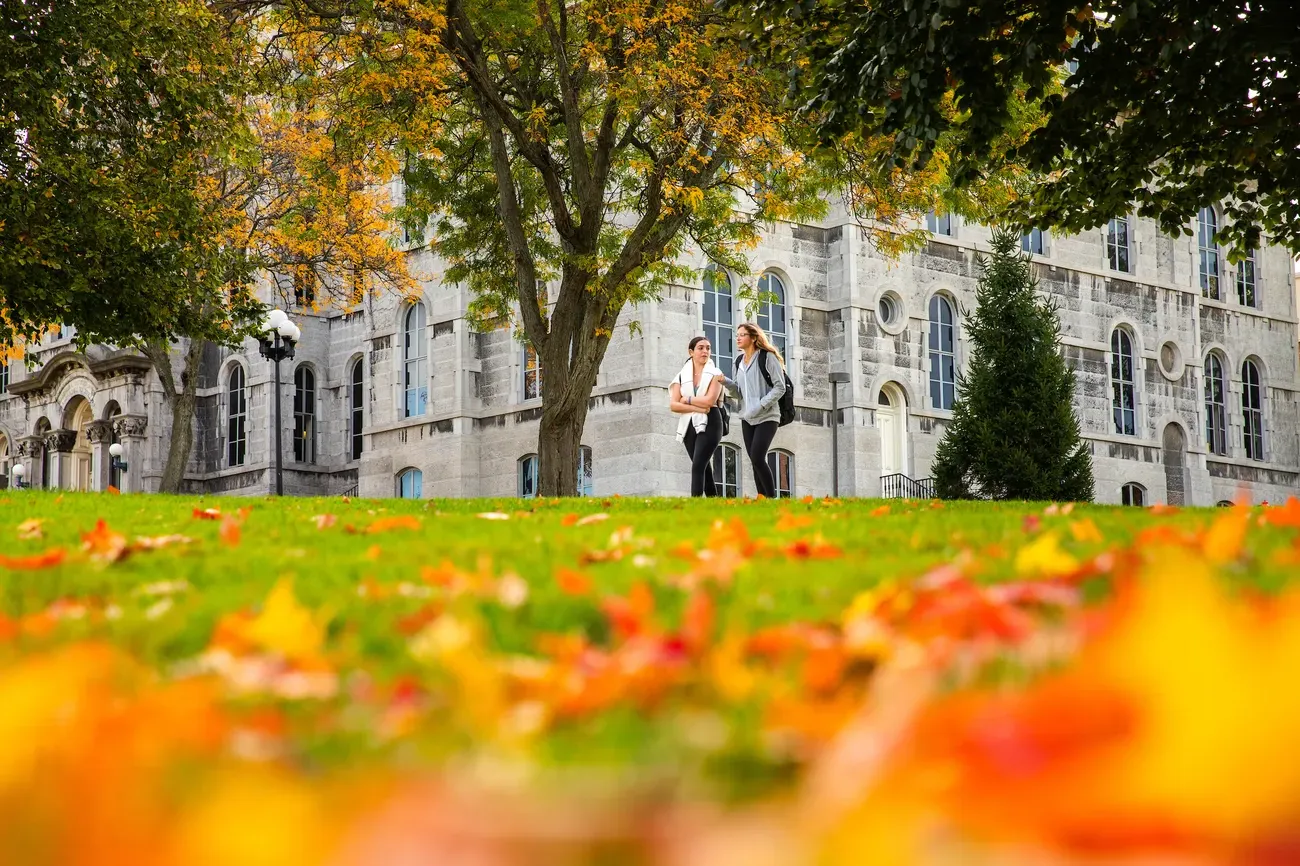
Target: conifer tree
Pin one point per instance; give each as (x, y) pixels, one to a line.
(1014, 434)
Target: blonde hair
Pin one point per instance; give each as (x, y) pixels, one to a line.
(760, 339)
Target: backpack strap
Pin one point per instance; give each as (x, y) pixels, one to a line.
(762, 368)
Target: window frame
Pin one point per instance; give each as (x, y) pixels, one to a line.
(526, 468)
(531, 367)
(1027, 242)
(774, 458)
(724, 452)
(943, 389)
(416, 478)
(1209, 255)
(415, 367)
(4, 376)
(236, 417)
(764, 316)
(940, 226)
(1247, 281)
(1127, 491)
(1216, 411)
(721, 335)
(304, 414)
(1252, 410)
(1114, 249)
(587, 480)
(356, 409)
(1121, 386)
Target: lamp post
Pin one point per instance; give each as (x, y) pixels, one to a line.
(116, 464)
(277, 341)
(18, 471)
(836, 378)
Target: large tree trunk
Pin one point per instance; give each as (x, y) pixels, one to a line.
(182, 404)
(568, 378)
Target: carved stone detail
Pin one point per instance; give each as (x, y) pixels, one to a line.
(61, 440)
(130, 426)
(30, 446)
(99, 431)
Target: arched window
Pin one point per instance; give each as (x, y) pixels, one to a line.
(586, 480)
(1216, 406)
(532, 387)
(1117, 245)
(943, 353)
(528, 476)
(236, 418)
(1246, 281)
(782, 465)
(726, 470)
(1123, 387)
(304, 415)
(415, 363)
(771, 314)
(1133, 493)
(356, 410)
(939, 224)
(1207, 225)
(410, 484)
(4, 461)
(1252, 411)
(1034, 242)
(719, 318)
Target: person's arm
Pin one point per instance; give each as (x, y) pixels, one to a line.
(676, 403)
(777, 372)
(711, 396)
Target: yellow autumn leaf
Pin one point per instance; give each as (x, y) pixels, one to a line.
(1044, 556)
(1223, 540)
(285, 626)
(1085, 531)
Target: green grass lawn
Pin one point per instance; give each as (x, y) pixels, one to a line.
(715, 647)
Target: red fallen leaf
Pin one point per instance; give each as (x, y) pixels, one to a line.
(573, 582)
(229, 534)
(569, 519)
(1031, 523)
(697, 622)
(812, 549)
(103, 543)
(823, 668)
(48, 559)
(387, 524)
(628, 616)
(8, 628)
(1284, 515)
(112, 491)
(207, 514)
(414, 623)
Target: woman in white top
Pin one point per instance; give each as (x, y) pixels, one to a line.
(694, 395)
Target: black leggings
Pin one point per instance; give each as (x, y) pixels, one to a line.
(758, 438)
(700, 447)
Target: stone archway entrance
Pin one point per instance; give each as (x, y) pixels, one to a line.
(77, 417)
(1175, 460)
(891, 419)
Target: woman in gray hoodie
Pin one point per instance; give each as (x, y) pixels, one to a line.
(760, 410)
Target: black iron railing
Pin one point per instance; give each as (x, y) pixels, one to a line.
(351, 491)
(899, 486)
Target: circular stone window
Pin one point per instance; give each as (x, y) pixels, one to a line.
(889, 313)
(1171, 361)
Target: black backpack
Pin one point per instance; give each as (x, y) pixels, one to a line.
(787, 399)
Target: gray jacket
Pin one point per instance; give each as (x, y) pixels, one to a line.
(758, 403)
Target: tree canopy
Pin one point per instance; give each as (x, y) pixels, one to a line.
(1163, 106)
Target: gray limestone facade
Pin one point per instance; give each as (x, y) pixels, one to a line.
(1183, 397)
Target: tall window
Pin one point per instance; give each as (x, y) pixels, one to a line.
(939, 224)
(415, 363)
(1216, 406)
(943, 353)
(304, 415)
(1246, 280)
(782, 465)
(726, 470)
(1117, 245)
(410, 484)
(1252, 411)
(771, 315)
(4, 377)
(236, 418)
(532, 374)
(528, 476)
(356, 410)
(4, 462)
(304, 287)
(1124, 400)
(719, 320)
(1033, 242)
(585, 479)
(1133, 493)
(1206, 228)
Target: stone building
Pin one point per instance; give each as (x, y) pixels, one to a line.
(1187, 384)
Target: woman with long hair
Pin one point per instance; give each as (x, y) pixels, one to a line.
(760, 379)
(694, 395)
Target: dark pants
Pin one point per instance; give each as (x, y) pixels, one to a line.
(700, 447)
(758, 438)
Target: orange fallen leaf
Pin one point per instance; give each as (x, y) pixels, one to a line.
(30, 530)
(207, 514)
(374, 553)
(569, 519)
(229, 534)
(112, 491)
(47, 559)
(1284, 515)
(1085, 530)
(387, 524)
(324, 521)
(103, 544)
(573, 582)
(787, 521)
(880, 511)
(1223, 540)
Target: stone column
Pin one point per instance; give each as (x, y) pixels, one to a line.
(28, 453)
(100, 436)
(130, 432)
(60, 443)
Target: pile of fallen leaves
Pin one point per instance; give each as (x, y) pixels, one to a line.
(1133, 705)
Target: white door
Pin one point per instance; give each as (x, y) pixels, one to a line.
(888, 441)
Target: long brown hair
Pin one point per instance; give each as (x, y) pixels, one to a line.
(760, 339)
